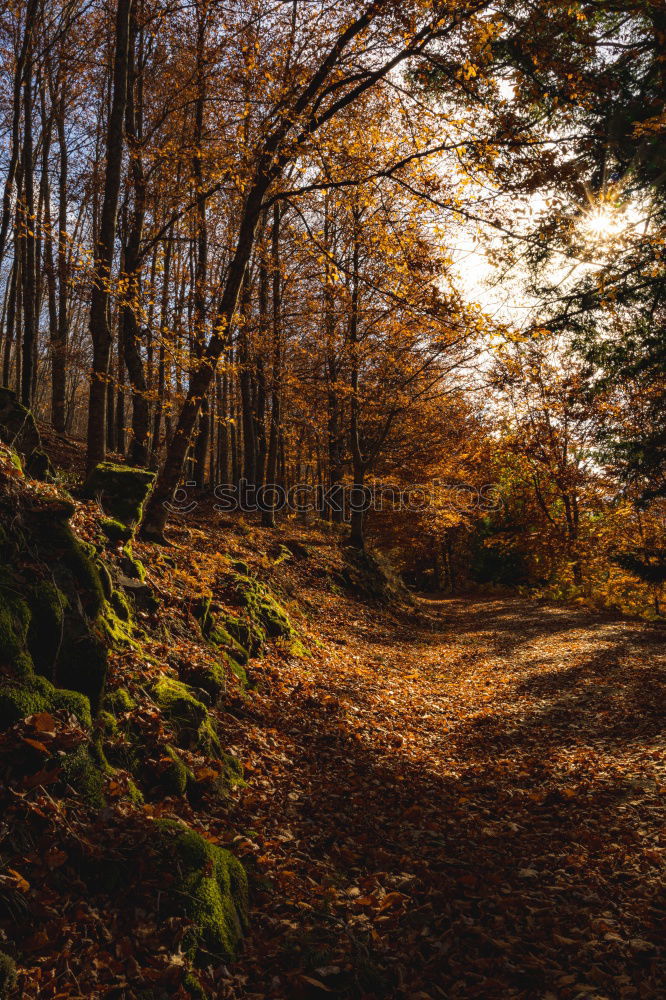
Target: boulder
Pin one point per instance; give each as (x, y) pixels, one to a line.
(121, 490)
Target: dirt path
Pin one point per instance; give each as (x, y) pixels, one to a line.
(464, 801)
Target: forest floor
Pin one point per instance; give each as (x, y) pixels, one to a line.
(462, 799)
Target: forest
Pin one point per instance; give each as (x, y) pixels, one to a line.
(332, 499)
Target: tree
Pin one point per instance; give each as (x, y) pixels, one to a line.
(100, 331)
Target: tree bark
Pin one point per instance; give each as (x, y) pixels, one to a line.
(268, 515)
(100, 327)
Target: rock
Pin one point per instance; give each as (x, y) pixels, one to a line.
(115, 531)
(210, 889)
(121, 490)
(141, 593)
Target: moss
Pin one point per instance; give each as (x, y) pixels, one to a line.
(201, 611)
(239, 670)
(108, 724)
(19, 699)
(194, 988)
(120, 605)
(233, 770)
(82, 772)
(175, 775)
(209, 887)
(60, 547)
(132, 566)
(179, 705)
(14, 624)
(119, 702)
(262, 606)
(220, 635)
(296, 648)
(8, 977)
(121, 489)
(115, 531)
(207, 741)
(134, 794)
(283, 555)
(72, 702)
(105, 578)
(115, 630)
(208, 677)
(244, 633)
(16, 461)
(240, 567)
(48, 605)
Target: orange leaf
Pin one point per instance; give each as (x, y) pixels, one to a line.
(43, 722)
(36, 744)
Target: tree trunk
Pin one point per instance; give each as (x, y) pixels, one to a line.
(100, 329)
(59, 343)
(268, 515)
(133, 261)
(28, 227)
(359, 465)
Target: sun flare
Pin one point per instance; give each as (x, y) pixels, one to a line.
(604, 222)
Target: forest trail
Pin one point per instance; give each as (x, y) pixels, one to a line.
(461, 800)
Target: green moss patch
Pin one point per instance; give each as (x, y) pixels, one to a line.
(209, 887)
(132, 566)
(208, 677)
(174, 775)
(19, 699)
(119, 702)
(115, 531)
(83, 771)
(8, 978)
(121, 490)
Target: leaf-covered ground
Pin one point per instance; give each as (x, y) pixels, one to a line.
(466, 800)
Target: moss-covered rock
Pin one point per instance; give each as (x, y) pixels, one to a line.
(192, 723)
(8, 977)
(15, 619)
(83, 772)
(121, 490)
(174, 775)
(244, 632)
(208, 677)
(115, 531)
(48, 605)
(209, 887)
(17, 424)
(105, 577)
(72, 561)
(131, 566)
(119, 702)
(181, 707)
(120, 605)
(201, 611)
(19, 699)
(262, 607)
